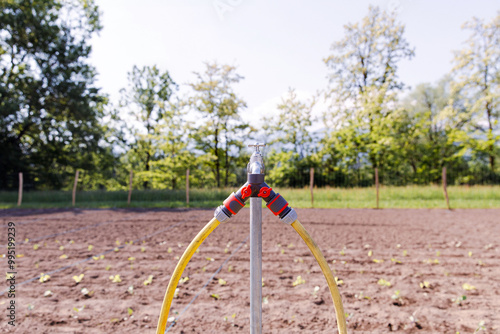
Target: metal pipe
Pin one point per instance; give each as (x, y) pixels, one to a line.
(255, 265)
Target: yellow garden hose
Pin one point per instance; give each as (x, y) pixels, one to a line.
(176, 276)
(337, 302)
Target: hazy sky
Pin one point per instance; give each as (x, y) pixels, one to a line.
(274, 44)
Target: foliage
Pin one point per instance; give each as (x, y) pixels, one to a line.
(477, 72)
(55, 121)
(221, 133)
(363, 88)
(50, 109)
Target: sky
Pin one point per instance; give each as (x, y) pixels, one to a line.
(274, 44)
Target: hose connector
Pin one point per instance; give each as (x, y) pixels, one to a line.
(290, 217)
(221, 215)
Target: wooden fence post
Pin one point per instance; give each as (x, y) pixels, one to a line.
(20, 196)
(74, 186)
(130, 187)
(311, 185)
(376, 184)
(187, 186)
(445, 190)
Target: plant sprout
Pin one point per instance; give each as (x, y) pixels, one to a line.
(315, 291)
(115, 278)
(298, 281)
(149, 280)
(480, 326)
(458, 300)
(86, 292)
(425, 285)
(78, 278)
(44, 278)
(383, 282)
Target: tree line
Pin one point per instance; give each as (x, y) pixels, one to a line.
(55, 120)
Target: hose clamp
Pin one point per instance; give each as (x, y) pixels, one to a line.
(220, 215)
(290, 217)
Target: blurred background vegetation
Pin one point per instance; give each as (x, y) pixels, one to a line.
(54, 120)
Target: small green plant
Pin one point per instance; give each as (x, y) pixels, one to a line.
(78, 278)
(44, 278)
(115, 278)
(458, 300)
(298, 281)
(468, 287)
(383, 282)
(481, 326)
(425, 285)
(149, 280)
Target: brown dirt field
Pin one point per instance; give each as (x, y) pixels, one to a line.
(445, 249)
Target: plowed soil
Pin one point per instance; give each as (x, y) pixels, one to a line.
(407, 271)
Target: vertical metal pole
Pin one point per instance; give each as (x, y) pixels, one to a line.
(255, 265)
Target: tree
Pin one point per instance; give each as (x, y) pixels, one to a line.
(291, 127)
(222, 129)
(147, 100)
(424, 134)
(50, 108)
(364, 84)
(291, 130)
(477, 72)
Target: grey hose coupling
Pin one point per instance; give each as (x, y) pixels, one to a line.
(290, 217)
(220, 215)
